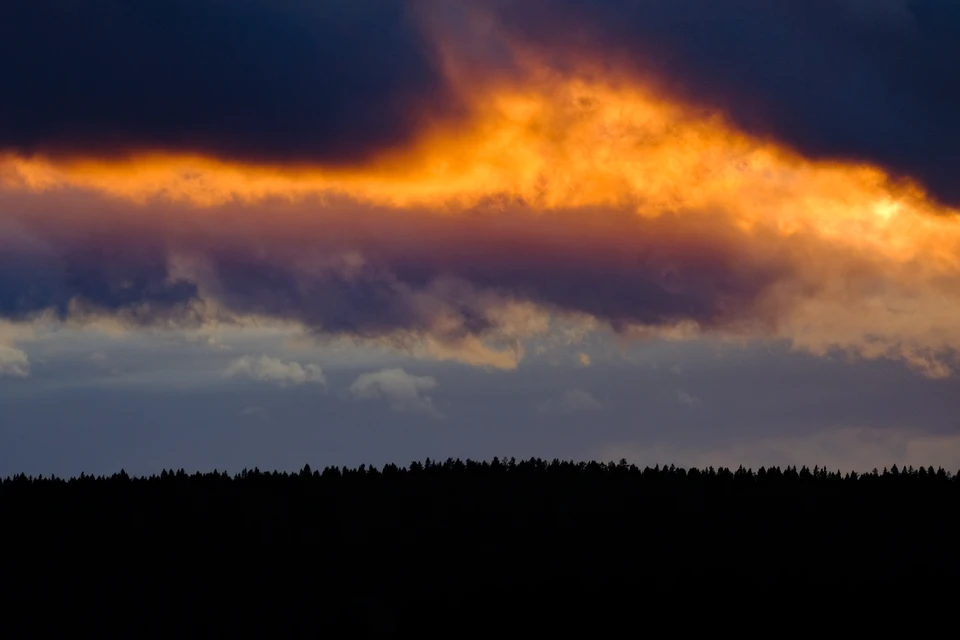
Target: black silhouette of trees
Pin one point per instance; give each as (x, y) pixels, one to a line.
(489, 544)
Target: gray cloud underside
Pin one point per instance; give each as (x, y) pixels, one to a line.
(364, 272)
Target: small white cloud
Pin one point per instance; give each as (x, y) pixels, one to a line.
(571, 402)
(688, 400)
(256, 413)
(676, 370)
(269, 369)
(584, 359)
(13, 362)
(216, 342)
(402, 390)
(98, 356)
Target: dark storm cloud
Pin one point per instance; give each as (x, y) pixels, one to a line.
(333, 81)
(866, 80)
(328, 81)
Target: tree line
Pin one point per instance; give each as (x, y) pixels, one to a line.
(378, 550)
(535, 465)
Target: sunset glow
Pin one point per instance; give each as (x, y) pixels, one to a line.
(665, 230)
(568, 144)
(570, 171)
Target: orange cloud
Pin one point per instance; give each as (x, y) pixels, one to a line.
(568, 175)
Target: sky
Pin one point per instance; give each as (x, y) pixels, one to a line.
(264, 233)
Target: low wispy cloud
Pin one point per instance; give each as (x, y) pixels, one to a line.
(13, 362)
(403, 391)
(842, 448)
(688, 400)
(256, 414)
(269, 369)
(572, 401)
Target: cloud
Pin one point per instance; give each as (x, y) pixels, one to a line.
(403, 391)
(837, 79)
(687, 400)
(367, 273)
(572, 401)
(253, 79)
(858, 449)
(475, 286)
(583, 359)
(13, 362)
(819, 76)
(269, 369)
(569, 190)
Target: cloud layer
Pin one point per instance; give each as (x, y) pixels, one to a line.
(862, 80)
(330, 82)
(336, 83)
(466, 181)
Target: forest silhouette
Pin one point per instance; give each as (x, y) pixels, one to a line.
(487, 546)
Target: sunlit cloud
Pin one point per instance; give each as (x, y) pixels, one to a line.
(580, 194)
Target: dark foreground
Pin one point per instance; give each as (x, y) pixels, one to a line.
(471, 549)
